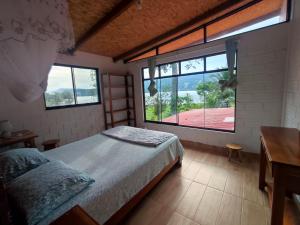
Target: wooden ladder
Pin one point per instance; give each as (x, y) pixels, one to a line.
(109, 112)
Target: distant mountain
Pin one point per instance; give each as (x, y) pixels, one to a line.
(185, 83)
(189, 83)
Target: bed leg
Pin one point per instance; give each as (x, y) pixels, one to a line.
(179, 163)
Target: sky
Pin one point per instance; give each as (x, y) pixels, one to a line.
(60, 77)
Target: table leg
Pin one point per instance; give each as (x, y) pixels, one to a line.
(278, 199)
(229, 154)
(262, 168)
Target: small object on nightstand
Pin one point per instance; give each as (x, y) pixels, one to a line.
(5, 129)
(75, 216)
(50, 144)
(234, 149)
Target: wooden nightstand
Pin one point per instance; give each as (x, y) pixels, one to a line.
(50, 144)
(75, 216)
(23, 136)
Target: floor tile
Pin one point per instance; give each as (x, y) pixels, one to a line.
(230, 210)
(207, 211)
(189, 203)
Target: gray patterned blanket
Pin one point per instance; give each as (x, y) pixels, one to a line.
(138, 135)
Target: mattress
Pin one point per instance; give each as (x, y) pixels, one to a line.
(120, 170)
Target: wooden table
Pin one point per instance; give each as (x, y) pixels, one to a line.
(280, 150)
(75, 216)
(23, 136)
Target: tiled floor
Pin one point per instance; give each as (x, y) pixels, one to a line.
(206, 190)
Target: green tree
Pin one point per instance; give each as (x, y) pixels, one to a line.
(93, 78)
(67, 97)
(184, 103)
(212, 93)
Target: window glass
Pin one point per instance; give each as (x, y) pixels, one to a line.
(194, 38)
(262, 14)
(169, 69)
(86, 85)
(144, 56)
(254, 26)
(219, 105)
(195, 99)
(60, 87)
(168, 97)
(70, 85)
(192, 66)
(216, 62)
(190, 102)
(146, 73)
(152, 103)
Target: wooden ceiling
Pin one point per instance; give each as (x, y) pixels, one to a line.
(119, 28)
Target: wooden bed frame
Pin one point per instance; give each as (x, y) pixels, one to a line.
(116, 218)
(122, 212)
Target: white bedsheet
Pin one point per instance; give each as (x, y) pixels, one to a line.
(120, 169)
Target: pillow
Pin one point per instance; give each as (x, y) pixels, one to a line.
(38, 192)
(14, 163)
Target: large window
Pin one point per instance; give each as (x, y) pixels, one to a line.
(189, 94)
(70, 86)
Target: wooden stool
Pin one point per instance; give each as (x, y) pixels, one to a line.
(50, 144)
(234, 148)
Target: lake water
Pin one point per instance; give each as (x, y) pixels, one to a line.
(196, 98)
(87, 99)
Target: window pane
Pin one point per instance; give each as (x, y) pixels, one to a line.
(190, 102)
(216, 62)
(219, 106)
(152, 104)
(250, 27)
(86, 85)
(144, 56)
(168, 97)
(192, 66)
(194, 38)
(262, 14)
(60, 87)
(146, 73)
(169, 69)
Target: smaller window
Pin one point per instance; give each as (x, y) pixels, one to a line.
(70, 86)
(216, 62)
(146, 73)
(144, 56)
(194, 38)
(192, 66)
(169, 69)
(86, 85)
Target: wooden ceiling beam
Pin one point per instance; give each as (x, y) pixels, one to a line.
(178, 29)
(121, 7)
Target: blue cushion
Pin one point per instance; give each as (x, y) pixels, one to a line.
(14, 163)
(39, 191)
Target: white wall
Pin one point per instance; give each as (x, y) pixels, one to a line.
(68, 124)
(261, 67)
(291, 109)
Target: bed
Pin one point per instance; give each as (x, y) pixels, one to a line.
(124, 172)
